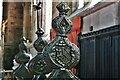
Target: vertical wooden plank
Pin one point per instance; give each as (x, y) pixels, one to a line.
(116, 55)
(85, 61)
(82, 61)
(91, 58)
(87, 67)
(119, 56)
(102, 58)
(107, 57)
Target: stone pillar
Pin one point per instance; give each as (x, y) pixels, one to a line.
(47, 17)
(33, 27)
(1, 39)
(13, 32)
(27, 20)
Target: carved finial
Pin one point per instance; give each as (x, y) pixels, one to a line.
(60, 54)
(63, 8)
(62, 23)
(22, 45)
(22, 56)
(37, 7)
(39, 44)
(63, 53)
(40, 32)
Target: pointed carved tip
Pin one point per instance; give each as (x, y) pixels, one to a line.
(63, 7)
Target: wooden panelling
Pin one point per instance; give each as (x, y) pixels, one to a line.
(100, 52)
